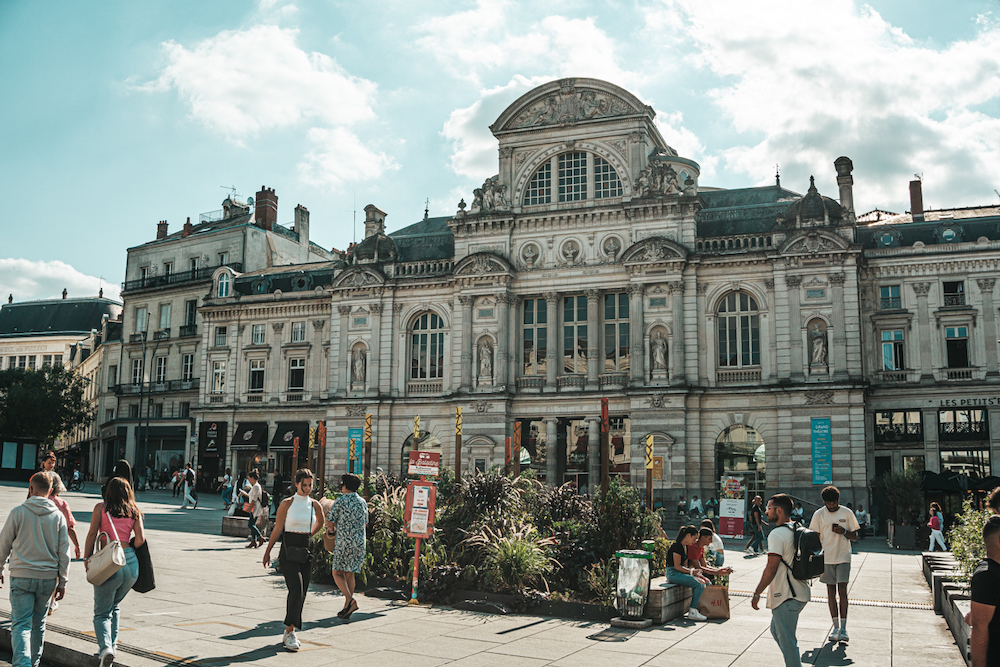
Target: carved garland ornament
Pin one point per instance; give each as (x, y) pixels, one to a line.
(819, 397)
(356, 410)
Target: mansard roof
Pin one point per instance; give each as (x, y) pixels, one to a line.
(288, 278)
(429, 239)
(56, 317)
(742, 210)
(970, 224)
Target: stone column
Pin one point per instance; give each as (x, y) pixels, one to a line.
(513, 326)
(637, 332)
(593, 454)
(396, 369)
(343, 357)
(551, 452)
(795, 326)
(924, 327)
(403, 340)
(503, 334)
(467, 344)
(932, 451)
(375, 353)
(677, 357)
(554, 352)
(837, 352)
(593, 338)
(990, 328)
(704, 351)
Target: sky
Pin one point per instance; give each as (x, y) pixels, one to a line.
(116, 115)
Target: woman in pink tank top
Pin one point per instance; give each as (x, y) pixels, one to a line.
(119, 518)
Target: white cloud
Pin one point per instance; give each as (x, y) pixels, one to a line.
(27, 280)
(241, 82)
(485, 41)
(338, 156)
(809, 81)
(685, 142)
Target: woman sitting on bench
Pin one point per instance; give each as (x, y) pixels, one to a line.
(682, 572)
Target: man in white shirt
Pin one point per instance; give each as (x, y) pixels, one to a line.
(189, 480)
(837, 527)
(696, 507)
(862, 516)
(786, 595)
(254, 498)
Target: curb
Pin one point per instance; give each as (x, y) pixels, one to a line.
(71, 651)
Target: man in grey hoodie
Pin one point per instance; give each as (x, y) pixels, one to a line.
(36, 541)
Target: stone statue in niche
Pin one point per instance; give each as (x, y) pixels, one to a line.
(658, 350)
(818, 343)
(491, 197)
(529, 254)
(612, 247)
(571, 251)
(358, 365)
(485, 359)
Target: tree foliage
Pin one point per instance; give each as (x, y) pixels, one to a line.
(903, 493)
(43, 403)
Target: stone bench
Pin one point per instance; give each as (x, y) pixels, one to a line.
(666, 601)
(236, 526)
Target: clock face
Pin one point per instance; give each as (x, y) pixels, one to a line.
(886, 239)
(948, 234)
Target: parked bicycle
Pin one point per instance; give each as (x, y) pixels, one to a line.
(76, 485)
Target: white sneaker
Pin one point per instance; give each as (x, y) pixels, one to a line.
(107, 657)
(843, 636)
(291, 642)
(695, 615)
(834, 635)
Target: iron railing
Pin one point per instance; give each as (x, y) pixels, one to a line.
(178, 278)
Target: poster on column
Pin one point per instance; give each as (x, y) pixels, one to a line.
(732, 507)
(822, 456)
(355, 451)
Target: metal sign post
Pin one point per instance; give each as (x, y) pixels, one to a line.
(458, 443)
(605, 448)
(420, 500)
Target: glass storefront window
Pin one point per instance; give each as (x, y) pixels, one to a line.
(972, 462)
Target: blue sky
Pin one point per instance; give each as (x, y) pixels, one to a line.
(115, 115)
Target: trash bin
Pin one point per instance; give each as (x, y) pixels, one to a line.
(633, 582)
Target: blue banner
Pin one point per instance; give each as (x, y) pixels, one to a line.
(822, 453)
(355, 451)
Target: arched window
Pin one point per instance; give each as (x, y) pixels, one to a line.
(224, 285)
(577, 175)
(427, 348)
(739, 331)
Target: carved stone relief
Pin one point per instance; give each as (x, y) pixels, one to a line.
(356, 410)
(611, 246)
(492, 196)
(569, 105)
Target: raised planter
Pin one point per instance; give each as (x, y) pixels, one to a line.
(951, 599)
(580, 611)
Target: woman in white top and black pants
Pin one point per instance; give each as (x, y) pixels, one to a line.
(299, 518)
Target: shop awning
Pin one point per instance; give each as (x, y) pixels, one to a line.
(250, 435)
(285, 434)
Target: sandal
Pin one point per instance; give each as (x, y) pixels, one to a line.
(252, 545)
(351, 608)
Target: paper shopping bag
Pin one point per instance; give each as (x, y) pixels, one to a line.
(714, 602)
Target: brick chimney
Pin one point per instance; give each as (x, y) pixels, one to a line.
(374, 221)
(917, 200)
(10, 298)
(161, 229)
(266, 208)
(302, 229)
(188, 227)
(844, 168)
(65, 293)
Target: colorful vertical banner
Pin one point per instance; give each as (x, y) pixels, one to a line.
(416, 432)
(355, 452)
(649, 454)
(822, 451)
(732, 507)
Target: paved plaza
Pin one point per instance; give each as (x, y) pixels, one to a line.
(215, 605)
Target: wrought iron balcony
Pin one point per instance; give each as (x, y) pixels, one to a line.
(964, 431)
(179, 278)
(157, 387)
(188, 330)
(899, 432)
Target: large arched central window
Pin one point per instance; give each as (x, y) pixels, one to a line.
(427, 348)
(739, 331)
(577, 175)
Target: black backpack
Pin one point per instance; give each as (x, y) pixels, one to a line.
(265, 499)
(808, 560)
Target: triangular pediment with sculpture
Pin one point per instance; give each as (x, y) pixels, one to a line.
(813, 241)
(483, 264)
(569, 101)
(359, 277)
(654, 249)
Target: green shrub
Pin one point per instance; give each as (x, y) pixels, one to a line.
(599, 580)
(559, 504)
(513, 558)
(659, 564)
(966, 538)
(620, 521)
(903, 493)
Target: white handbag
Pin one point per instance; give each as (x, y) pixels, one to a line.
(108, 560)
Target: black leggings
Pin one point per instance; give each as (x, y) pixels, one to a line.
(296, 578)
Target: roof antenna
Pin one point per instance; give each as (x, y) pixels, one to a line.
(354, 220)
(777, 176)
(427, 207)
(998, 193)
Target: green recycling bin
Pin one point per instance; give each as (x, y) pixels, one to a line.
(633, 582)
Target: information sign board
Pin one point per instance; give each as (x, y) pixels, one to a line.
(424, 463)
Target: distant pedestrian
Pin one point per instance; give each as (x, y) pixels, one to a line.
(837, 528)
(178, 479)
(121, 470)
(697, 509)
(936, 524)
(862, 516)
(756, 516)
(786, 595)
(117, 518)
(798, 513)
(255, 509)
(35, 540)
(299, 518)
(348, 520)
(190, 496)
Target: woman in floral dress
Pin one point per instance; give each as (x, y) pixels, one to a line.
(348, 519)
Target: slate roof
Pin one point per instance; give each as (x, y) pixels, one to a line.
(742, 210)
(974, 223)
(55, 317)
(319, 274)
(426, 240)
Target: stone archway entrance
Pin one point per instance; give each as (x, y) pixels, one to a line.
(428, 442)
(740, 449)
